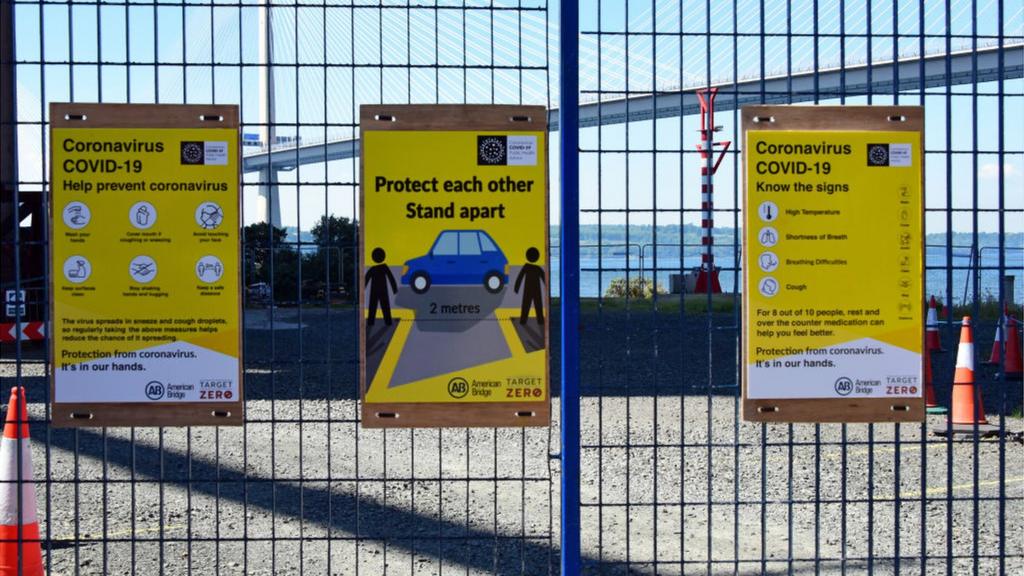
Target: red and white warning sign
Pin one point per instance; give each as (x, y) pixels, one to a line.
(11, 331)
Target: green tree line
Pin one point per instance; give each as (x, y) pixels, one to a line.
(291, 271)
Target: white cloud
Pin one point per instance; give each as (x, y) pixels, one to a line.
(990, 171)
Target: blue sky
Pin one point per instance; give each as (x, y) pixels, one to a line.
(207, 53)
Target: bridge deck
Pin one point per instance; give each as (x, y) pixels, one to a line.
(912, 73)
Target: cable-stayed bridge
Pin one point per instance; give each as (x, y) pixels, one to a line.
(908, 74)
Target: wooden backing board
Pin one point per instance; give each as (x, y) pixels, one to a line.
(452, 117)
(829, 119)
(183, 116)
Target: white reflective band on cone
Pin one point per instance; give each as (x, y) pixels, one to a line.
(9, 483)
(965, 356)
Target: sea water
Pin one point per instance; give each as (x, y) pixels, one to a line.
(956, 275)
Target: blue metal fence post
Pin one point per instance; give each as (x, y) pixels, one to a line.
(569, 241)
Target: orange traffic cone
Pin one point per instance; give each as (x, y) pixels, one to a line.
(932, 341)
(995, 356)
(931, 405)
(967, 406)
(19, 528)
(1012, 369)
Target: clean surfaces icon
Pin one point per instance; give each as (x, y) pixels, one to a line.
(77, 269)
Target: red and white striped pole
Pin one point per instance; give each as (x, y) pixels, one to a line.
(707, 223)
(707, 277)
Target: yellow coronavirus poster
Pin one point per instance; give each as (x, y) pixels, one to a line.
(832, 259)
(454, 265)
(144, 268)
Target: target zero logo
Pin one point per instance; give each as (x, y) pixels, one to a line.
(491, 150)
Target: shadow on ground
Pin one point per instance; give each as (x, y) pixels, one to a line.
(622, 353)
(347, 514)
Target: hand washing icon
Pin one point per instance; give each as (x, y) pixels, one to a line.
(76, 215)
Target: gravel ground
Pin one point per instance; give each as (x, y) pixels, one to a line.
(673, 482)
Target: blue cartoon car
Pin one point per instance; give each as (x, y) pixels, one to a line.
(458, 257)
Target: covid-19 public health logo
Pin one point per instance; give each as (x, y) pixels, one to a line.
(878, 154)
(491, 150)
(192, 153)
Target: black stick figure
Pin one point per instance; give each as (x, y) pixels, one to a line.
(377, 278)
(531, 277)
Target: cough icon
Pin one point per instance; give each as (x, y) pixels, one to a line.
(142, 215)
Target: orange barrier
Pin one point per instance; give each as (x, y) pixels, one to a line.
(20, 553)
(932, 341)
(996, 356)
(1012, 369)
(931, 404)
(967, 406)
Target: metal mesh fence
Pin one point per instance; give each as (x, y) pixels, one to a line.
(301, 487)
(672, 481)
